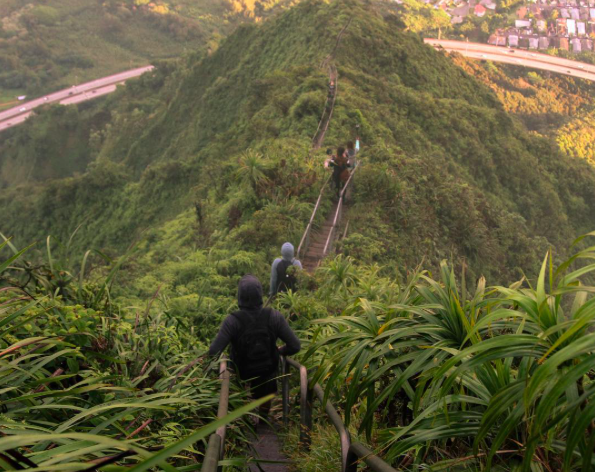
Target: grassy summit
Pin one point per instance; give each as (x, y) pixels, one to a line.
(447, 172)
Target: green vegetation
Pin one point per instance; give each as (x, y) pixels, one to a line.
(46, 46)
(199, 171)
(444, 376)
(86, 381)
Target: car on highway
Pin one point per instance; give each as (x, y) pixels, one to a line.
(569, 72)
(581, 67)
(511, 51)
(23, 109)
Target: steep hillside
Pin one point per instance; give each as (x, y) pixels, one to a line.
(46, 45)
(216, 156)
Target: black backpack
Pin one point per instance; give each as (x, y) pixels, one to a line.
(285, 281)
(255, 352)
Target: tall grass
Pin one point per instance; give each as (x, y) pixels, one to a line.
(494, 377)
(87, 385)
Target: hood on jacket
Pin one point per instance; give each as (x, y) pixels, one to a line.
(287, 251)
(249, 293)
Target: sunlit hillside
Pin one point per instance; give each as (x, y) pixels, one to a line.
(451, 326)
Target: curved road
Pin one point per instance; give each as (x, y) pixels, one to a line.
(519, 57)
(75, 94)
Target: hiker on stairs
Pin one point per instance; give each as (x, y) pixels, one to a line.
(253, 332)
(339, 164)
(283, 280)
(352, 150)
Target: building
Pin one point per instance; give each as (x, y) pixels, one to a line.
(576, 45)
(533, 42)
(571, 26)
(479, 10)
(544, 42)
(564, 44)
(522, 24)
(581, 28)
(561, 27)
(513, 41)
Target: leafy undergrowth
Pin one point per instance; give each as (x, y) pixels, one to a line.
(449, 375)
(324, 453)
(86, 381)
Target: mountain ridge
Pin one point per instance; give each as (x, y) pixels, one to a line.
(447, 171)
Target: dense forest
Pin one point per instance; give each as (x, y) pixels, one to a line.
(160, 197)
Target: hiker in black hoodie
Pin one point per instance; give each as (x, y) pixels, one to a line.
(253, 332)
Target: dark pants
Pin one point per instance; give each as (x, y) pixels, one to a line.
(261, 387)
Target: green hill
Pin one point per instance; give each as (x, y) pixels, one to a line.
(161, 196)
(48, 45)
(448, 171)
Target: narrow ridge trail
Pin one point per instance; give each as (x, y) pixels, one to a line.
(315, 251)
(267, 446)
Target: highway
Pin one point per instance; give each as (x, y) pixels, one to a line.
(518, 57)
(75, 94)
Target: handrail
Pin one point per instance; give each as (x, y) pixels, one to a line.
(315, 145)
(216, 446)
(351, 453)
(305, 241)
(338, 215)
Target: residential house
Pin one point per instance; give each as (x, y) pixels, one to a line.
(489, 4)
(561, 27)
(455, 20)
(571, 26)
(462, 10)
(522, 24)
(581, 28)
(575, 14)
(576, 45)
(544, 42)
(533, 42)
(564, 44)
(513, 41)
(564, 13)
(480, 10)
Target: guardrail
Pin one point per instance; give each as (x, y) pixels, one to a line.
(305, 241)
(216, 446)
(351, 453)
(328, 247)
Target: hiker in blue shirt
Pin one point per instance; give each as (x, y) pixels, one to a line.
(352, 150)
(281, 280)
